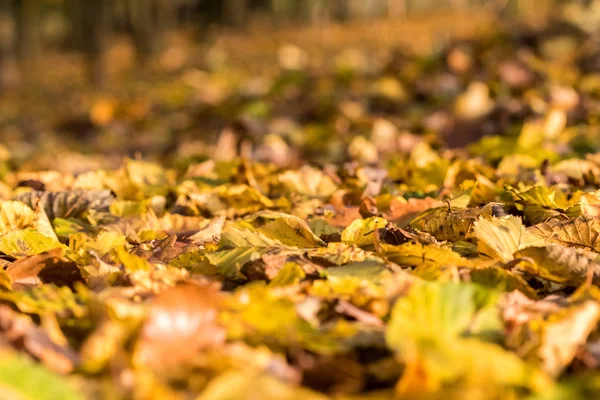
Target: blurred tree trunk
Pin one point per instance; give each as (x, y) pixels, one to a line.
(150, 20)
(339, 10)
(235, 12)
(166, 15)
(90, 27)
(8, 67)
(318, 11)
(284, 10)
(28, 35)
(144, 28)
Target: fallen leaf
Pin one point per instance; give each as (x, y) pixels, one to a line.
(182, 322)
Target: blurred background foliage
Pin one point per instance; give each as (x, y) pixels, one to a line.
(33, 29)
(164, 77)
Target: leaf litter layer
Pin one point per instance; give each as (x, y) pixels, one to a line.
(397, 226)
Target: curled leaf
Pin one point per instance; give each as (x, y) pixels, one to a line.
(68, 203)
(450, 223)
(47, 267)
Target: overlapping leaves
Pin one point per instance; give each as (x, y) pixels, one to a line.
(389, 228)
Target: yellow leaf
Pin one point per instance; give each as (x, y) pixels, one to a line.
(501, 238)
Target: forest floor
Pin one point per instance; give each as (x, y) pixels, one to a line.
(374, 211)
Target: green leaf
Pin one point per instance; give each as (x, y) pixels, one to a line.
(370, 270)
(436, 312)
(21, 379)
(239, 245)
(128, 208)
(430, 329)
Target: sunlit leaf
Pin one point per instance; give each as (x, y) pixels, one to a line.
(452, 223)
(501, 238)
(541, 203)
(15, 215)
(240, 385)
(582, 232)
(182, 321)
(20, 378)
(564, 334)
(27, 243)
(417, 255)
(558, 264)
(361, 232)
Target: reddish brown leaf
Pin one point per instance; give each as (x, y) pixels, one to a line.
(20, 331)
(48, 267)
(182, 322)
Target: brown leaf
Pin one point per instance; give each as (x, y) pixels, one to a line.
(163, 250)
(368, 207)
(517, 309)
(565, 334)
(453, 223)
(590, 204)
(333, 374)
(182, 321)
(20, 331)
(346, 308)
(210, 234)
(392, 234)
(48, 267)
(403, 212)
(345, 213)
(581, 232)
(559, 264)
